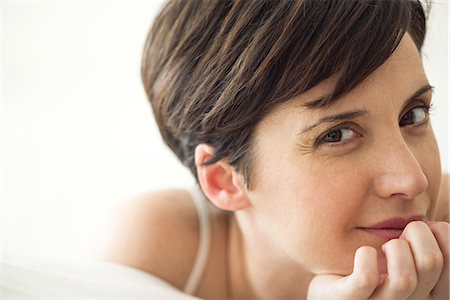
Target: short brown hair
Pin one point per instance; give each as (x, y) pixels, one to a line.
(212, 69)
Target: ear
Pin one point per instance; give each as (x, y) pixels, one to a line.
(219, 181)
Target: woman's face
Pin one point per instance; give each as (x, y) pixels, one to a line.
(323, 177)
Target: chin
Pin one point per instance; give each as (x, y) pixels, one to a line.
(342, 270)
(344, 266)
(330, 271)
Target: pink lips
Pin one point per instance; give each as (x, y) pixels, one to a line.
(390, 229)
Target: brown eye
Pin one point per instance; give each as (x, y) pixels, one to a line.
(339, 135)
(415, 116)
(333, 136)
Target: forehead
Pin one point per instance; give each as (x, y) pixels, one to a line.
(397, 78)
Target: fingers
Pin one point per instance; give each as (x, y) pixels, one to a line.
(401, 279)
(427, 255)
(323, 287)
(357, 286)
(441, 231)
(417, 268)
(364, 279)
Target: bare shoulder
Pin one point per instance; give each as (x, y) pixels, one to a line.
(156, 232)
(442, 211)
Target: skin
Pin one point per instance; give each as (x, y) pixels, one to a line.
(385, 165)
(398, 169)
(299, 231)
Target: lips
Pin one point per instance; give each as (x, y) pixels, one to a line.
(391, 228)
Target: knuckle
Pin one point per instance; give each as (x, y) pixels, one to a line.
(416, 225)
(367, 249)
(395, 243)
(441, 227)
(404, 283)
(430, 262)
(366, 281)
(391, 242)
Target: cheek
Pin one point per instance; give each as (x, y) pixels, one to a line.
(427, 154)
(309, 208)
(328, 191)
(330, 205)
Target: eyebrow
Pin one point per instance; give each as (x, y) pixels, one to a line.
(358, 113)
(419, 93)
(338, 117)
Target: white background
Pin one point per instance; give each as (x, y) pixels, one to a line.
(78, 136)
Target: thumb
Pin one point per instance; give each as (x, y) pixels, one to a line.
(358, 285)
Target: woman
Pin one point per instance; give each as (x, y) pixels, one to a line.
(306, 125)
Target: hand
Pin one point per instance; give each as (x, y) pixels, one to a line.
(441, 231)
(417, 268)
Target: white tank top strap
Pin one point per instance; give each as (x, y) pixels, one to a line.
(204, 241)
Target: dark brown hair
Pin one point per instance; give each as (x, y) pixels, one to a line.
(212, 69)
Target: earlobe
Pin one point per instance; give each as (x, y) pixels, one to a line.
(219, 181)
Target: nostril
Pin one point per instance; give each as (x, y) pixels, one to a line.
(398, 171)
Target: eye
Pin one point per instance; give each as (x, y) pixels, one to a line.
(337, 136)
(416, 116)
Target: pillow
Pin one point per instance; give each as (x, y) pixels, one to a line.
(82, 279)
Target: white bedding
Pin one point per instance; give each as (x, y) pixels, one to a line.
(82, 280)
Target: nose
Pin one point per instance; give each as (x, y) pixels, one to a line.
(399, 173)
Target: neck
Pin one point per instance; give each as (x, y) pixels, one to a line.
(258, 271)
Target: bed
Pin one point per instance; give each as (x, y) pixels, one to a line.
(81, 279)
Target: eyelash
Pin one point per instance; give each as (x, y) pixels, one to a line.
(321, 139)
(426, 107)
